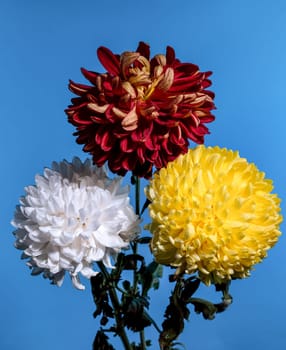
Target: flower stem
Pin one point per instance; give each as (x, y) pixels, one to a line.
(137, 210)
(137, 195)
(116, 308)
(135, 246)
(154, 323)
(142, 340)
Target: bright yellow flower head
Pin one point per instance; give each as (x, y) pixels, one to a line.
(212, 213)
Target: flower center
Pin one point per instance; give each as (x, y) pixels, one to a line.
(140, 81)
(80, 225)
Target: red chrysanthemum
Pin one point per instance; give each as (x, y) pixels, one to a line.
(141, 112)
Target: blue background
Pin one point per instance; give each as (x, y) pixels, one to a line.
(42, 45)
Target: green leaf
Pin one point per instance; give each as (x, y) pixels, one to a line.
(175, 314)
(99, 290)
(149, 276)
(189, 287)
(205, 307)
(148, 342)
(131, 260)
(145, 206)
(144, 240)
(134, 316)
(101, 342)
(126, 285)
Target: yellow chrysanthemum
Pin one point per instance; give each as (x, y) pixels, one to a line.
(212, 213)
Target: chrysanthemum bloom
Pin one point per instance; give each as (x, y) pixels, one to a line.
(141, 112)
(73, 216)
(212, 214)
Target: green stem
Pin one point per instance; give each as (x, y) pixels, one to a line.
(137, 210)
(135, 246)
(116, 307)
(137, 195)
(142, 340)
(153, 322)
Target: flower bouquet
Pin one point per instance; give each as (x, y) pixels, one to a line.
(212, 215)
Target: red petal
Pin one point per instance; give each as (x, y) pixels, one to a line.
(109, 61)
(77, 119)
(141, 155)
(89, 75)
(168, 122)
(104, 140)
(99, 157)
(170, 55)
(127, 145)
(144, 49)
(149, 144)
(143, 131)
(195, 133)
(186, 83)
(209, 93)
(176, 137)
(165, 146)
(78, 89)
(206, 83)
(186, 68)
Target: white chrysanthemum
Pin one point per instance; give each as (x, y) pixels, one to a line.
(73, 216)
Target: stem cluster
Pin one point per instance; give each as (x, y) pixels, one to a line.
(127, 302)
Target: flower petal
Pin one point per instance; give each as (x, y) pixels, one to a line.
(109, 61)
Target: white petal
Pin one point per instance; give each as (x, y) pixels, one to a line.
(76, 283)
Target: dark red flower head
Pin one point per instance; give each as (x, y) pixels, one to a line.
(141, 112)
